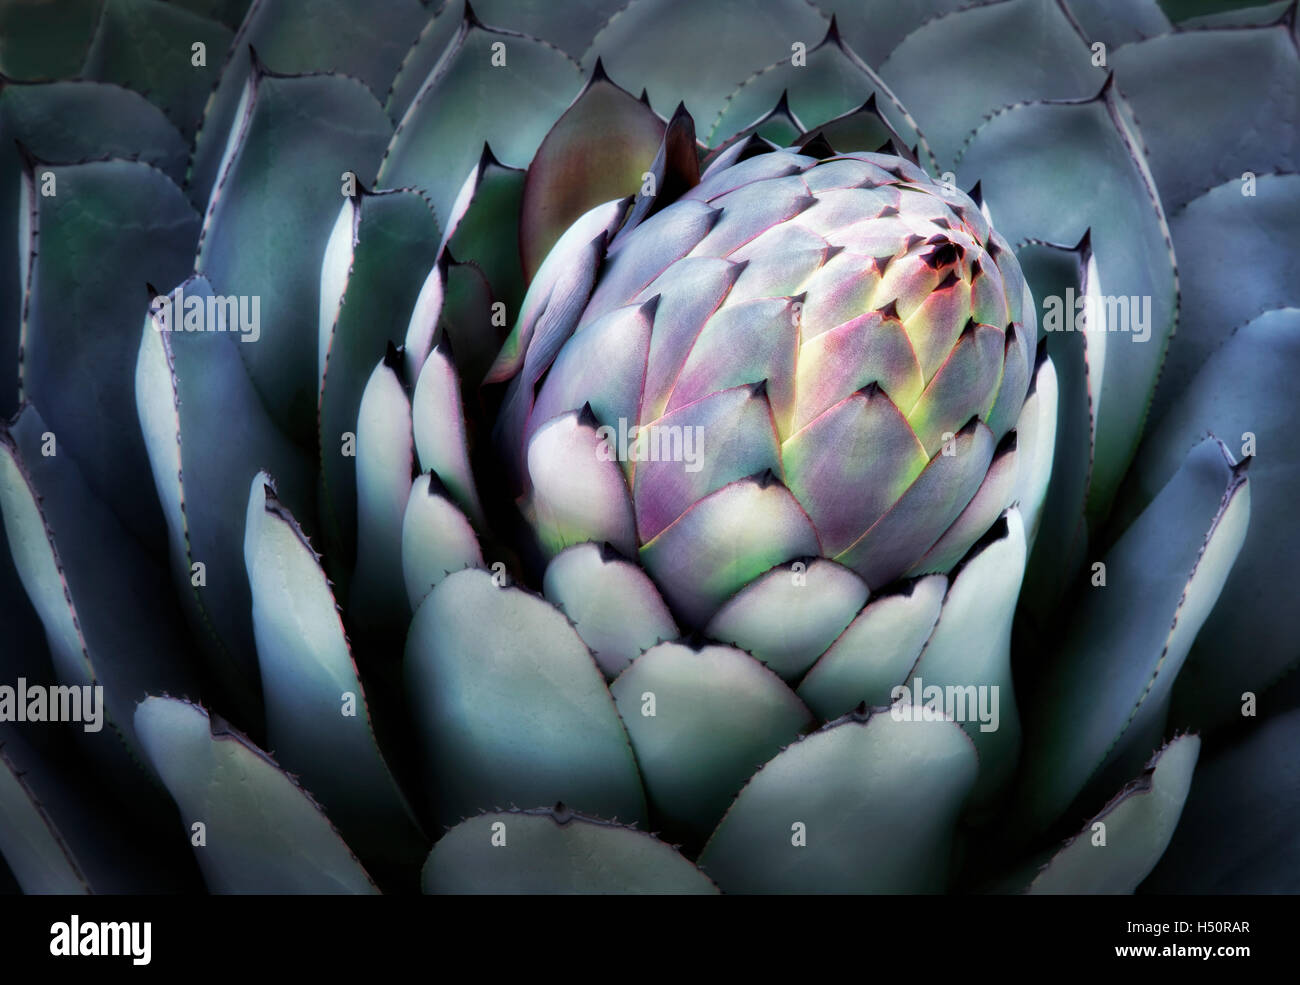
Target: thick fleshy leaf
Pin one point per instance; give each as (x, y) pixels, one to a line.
(380, 250)
(438, 424)
(1026, 159)
(554, 851)
(148, 46)
(614, 607)
(579, 493)
(277, 196)
(876, 651)
(1237, 832)
(503, 88)
(873, 28)
(701, 722)
(81, 317)
(867, 805)
(725, 541)
(44, 41)
(969, 653)
(422, 56)
(466, 321)
(64, 121)
(597, 151)
(62, 831)
(963, 387)
(482, 224)
(208, 434)
(1242, 83)
(900, 538)
(696, 69)
(101, 597)
(1245, 392)
(1057, 275)
(1137, 826)
(789, 616)
(829, 82)
(30, 843)
(1036, 438)
(499, 679)
(301, 36)
(932, 69)
(1107, 694)
(385, 457)
(436, 539)
(317, 718)
(264, 833)
(1227, 237)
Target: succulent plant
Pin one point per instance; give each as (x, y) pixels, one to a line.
(454, 471)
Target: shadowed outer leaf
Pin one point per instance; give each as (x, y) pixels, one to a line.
(701, 722)
(1250, 242)
(832, 82)
(62, 831)
(933, 68)
(468, 101)
(500, 680)
(1117, 22)
(147, 46)
(421, 57)
(40, 40)
(1109, 688)
(484, 225)
(393, 240)
(1053, 273)
(970, 652)
(1245, 392)
(277, 196)
(1227, 13)
(1237, 833)
(317, 718)
(301, 36)
(101, 598)
(571, 26)
(208, 435)
(64, 121)
(716, 44)
(1138, 824)
(86, 296)
(30, 843)
(264, 833)
(1027, 159)
(874, 801)
(1244, 84)
(1179, 11)
(598, 150)
(556, 851)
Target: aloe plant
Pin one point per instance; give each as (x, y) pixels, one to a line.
(646, 447)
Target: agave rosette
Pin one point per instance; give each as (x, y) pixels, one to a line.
(591, 473)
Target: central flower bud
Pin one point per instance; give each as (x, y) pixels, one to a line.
(797, 358)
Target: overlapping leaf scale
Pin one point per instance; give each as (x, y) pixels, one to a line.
(41, 41)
